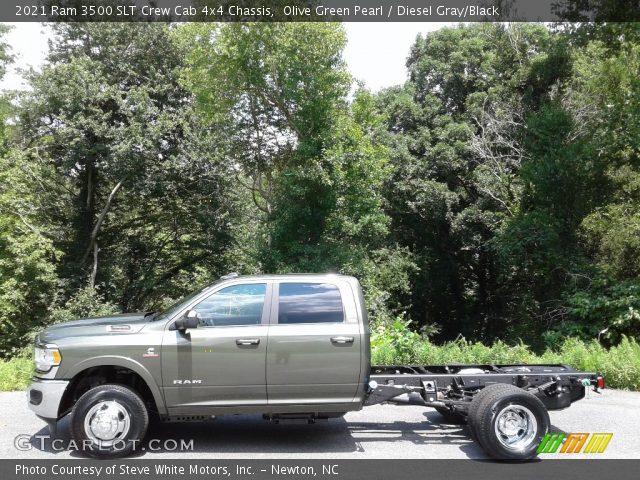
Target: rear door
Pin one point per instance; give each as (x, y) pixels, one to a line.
(314, 343)
(222, 361)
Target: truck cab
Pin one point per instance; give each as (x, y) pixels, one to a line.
(290, 343)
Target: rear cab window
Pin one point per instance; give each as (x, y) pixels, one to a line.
(300, 303)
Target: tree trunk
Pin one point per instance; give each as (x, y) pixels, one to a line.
(96, 228)
(94, 269)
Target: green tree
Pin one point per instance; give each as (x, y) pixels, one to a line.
(455, 130)
(603, 99)
(145, 208)
(275, 88)
(306, 157)
(27, 256)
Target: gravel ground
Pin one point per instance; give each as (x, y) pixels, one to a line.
(381, 431)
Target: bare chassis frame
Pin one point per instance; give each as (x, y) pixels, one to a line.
(453, 387)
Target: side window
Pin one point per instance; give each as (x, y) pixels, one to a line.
(235, 305)
(309, 303)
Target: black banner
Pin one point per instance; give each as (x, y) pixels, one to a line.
(320, 10)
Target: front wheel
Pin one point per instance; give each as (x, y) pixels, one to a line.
(109, 421)
(510, 423)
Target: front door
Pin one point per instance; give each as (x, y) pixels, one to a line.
(222, 361)
(313, 355)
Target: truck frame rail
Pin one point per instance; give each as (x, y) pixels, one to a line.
(454, 386)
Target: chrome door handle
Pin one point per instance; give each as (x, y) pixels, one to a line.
(342, 340)
(247, 341)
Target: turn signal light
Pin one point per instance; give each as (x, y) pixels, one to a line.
(57, 358)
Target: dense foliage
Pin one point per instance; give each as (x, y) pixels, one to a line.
(495, 195)
(395, 344)
(515, 181)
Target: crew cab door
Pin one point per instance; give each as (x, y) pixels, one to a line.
(314, 345)
(222, 361)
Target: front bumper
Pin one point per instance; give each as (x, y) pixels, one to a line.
(44, 397)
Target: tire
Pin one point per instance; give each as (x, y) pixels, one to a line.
(477, 400)
(451, 417)
(124, 425)
(510, 423)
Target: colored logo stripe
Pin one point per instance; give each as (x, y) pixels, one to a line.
(573, 442)
(550, 442)
(598, 442)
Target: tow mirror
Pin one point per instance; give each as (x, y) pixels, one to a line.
(191, 319)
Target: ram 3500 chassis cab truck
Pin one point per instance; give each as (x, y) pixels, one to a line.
(285, 346)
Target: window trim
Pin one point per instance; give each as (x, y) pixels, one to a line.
(275, 302)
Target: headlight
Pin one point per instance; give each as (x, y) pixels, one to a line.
(46, 357)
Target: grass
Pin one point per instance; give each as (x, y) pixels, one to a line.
(15, 373)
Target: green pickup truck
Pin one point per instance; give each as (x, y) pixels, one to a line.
(291, 347)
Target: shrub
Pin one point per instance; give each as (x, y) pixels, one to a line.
(15, 374)
(87, 302)
(620, 365)
(396, 340)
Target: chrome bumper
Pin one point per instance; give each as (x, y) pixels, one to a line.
(44, 396)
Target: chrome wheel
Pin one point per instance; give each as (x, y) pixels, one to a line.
(107, 422)
(516, 427)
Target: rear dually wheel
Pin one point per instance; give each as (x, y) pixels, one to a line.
(509, 423)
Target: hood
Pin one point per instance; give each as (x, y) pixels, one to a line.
(94, 326)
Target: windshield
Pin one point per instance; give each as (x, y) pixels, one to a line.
(177, 306)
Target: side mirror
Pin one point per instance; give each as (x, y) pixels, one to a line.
(191, 319)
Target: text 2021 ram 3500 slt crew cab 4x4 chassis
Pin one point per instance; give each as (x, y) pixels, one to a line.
(286, 346)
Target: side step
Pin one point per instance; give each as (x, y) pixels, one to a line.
(294, 418)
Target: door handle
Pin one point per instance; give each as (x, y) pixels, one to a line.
(247, 341)
(341, 340)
